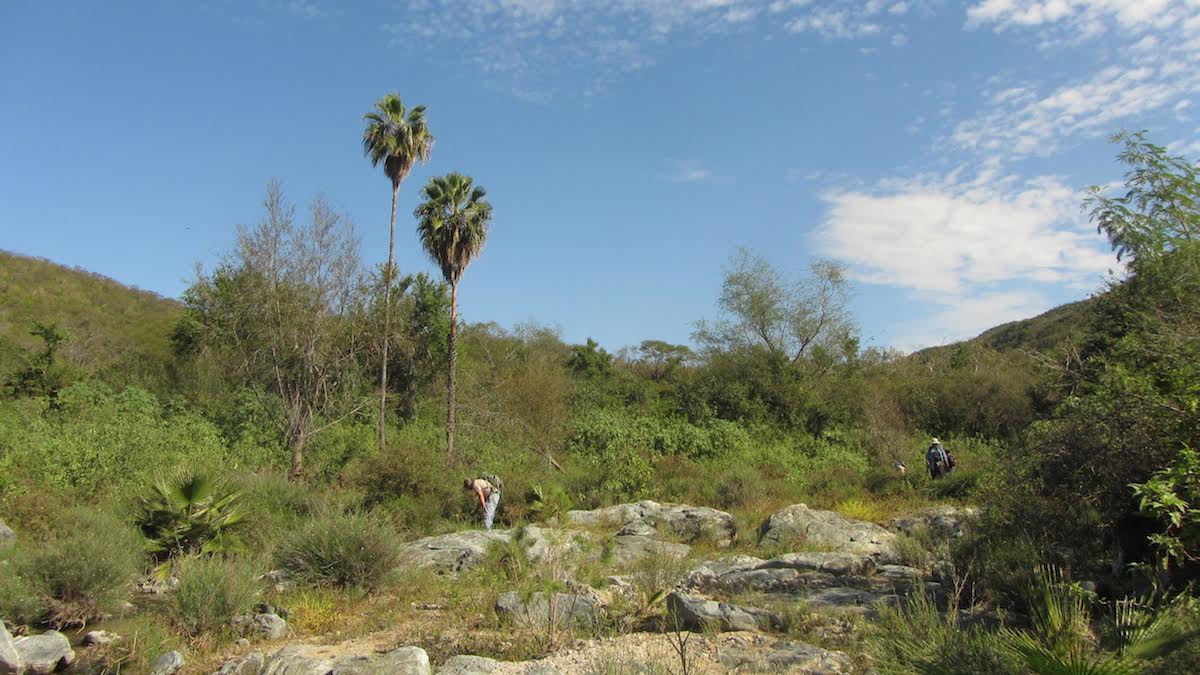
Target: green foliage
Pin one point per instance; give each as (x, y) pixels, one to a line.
(590, 361)
(410, 481)
(191, 514)
(83, 571)
(41, 375)
(211, 591)
(1172, 496)
(915, 638)
(548, 503)
(342, 549)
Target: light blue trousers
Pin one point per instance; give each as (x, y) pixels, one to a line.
(489, 508)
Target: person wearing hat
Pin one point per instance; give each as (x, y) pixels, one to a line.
(937, 459)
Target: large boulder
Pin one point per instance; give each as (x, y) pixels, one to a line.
(452, 552)
(317, 660)
(800, 525)
(10, 659)
(46, 653)
(699, 614)
(259, 626)
(648, 518)
(536, 610)
(943, 522)
(780, 656)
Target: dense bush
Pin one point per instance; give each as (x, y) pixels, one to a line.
(211, 591)
(80, 573)
(343, 549)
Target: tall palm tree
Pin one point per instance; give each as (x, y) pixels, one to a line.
(452, 223)
(398, 139)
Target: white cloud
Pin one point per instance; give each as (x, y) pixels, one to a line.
(961, 317)
(950, 236)
(690, 171)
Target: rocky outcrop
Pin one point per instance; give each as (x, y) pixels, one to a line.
(789, 573)
(651, 519)
(316, 660)
(167, 664)
(259, 626)
(469, 665)
(46, 653)
(10, 660)
(539, 609)
(943, 522)
(628, 548)
(699, 614)
(764, 654)
(800, 525)
(458, 551)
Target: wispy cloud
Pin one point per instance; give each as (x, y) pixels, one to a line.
(689, 171)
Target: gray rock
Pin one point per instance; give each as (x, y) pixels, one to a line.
(940, 521)
(259, 626)
(837, 564)
(99, 637)
(10, 659)
(631, 548)
(690, 523)
(468, 665)
(699, 614)
(789, 573)
(250, 664)
(898, 579)
(786, 656)
(543, 544)
(844, 600)
(799, 524)
(402, 661)
(167, 663)
(45, 653)
(568, 609)
(449, 553)
(6, 534)
(542, 669)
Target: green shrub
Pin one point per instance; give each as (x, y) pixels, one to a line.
(81, 573)
(412, 482)
(191, 513)
(211, 591)
(548, 502)
(274, 504)
(343, 549)
(916, 638)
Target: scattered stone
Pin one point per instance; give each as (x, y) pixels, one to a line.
(568, 609)
(6, 534)
(99, 637)
(785, 656)
(152, 586)
(10, 659)
(45, 653)
(799, 524)
(698, 614)
(260, 626)
(167, 663)
(940, 521)
(690, 523)
(469, 665)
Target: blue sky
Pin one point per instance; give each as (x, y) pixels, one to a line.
(939, 149)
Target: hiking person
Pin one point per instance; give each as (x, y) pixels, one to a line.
(487, 491)
(937, 459)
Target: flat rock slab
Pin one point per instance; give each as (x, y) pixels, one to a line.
(784, 656)
(46, 653)
(789, 573)
(943, 521)
(800, 525)
(843, 600)
(316, 660)
(699, 614)
(538, 609)
(631, 548)
(689, 523)
(469, 665)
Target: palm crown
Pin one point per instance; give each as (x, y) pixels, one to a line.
(396, 137)
(452, 222)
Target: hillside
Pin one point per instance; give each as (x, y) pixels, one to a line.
(117, 331)
(1041, 333)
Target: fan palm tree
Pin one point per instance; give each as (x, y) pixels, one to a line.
(452, 223)
(397, 138)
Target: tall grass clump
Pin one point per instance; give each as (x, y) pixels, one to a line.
(915, 638)
(341, 549)
(82, 572)
(211, 591)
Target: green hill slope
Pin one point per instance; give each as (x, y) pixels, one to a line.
(118, 332)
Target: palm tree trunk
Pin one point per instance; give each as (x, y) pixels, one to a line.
(387, 321)
(453, 362)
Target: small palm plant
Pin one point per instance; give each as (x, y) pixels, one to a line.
(190, 514)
